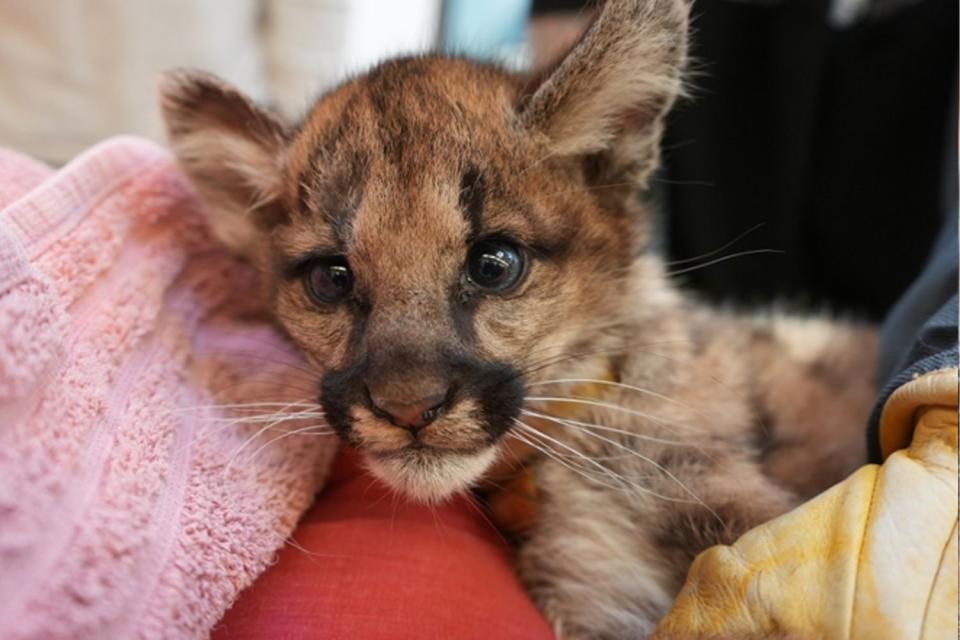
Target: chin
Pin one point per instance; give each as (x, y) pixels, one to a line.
(430, 475)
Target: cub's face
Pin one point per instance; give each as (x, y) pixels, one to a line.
(431, 259)
(429, 245)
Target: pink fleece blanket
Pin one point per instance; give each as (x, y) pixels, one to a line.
(133, 501)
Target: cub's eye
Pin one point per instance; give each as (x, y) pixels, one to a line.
(329, 279)
(495, 265)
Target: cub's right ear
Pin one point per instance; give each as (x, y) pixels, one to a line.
(232, 151)
(609, 95)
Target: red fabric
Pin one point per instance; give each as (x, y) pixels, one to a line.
(373, 566)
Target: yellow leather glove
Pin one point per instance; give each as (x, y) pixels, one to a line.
(874, 557)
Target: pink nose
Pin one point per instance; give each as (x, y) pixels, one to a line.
(410, 415)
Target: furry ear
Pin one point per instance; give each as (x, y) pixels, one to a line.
(232, 151)
(608, 96)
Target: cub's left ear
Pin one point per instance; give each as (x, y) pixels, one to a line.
(232, 150)
(609, 95)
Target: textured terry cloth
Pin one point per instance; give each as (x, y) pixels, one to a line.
(129, 505)
(873, 558)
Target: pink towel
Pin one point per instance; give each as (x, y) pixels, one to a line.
(131, 505)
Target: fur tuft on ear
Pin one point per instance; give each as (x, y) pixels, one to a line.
(232, 151)
(609, 95)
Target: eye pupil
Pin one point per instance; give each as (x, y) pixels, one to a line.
(492, 268)
(495, 265)
(339, 276)
(329, 279)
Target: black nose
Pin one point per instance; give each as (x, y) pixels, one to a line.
(410, 414)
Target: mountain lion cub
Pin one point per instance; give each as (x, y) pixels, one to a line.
(460, 251)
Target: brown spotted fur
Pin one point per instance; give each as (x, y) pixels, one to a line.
(400, 169)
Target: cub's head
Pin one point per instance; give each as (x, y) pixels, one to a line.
(436, 233)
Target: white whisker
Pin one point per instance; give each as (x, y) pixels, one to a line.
(591, 425)
(312, 430)
(603, 469)
(267, 417)
(656, 464)
(722, 259)
(612, 407)
(618, 385)
(553, 455)
(266, 428)
(245, 405)
(710, 254)
(565, 459)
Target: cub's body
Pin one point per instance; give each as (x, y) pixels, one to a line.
(450, 244)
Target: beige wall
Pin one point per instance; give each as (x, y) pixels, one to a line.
(73, 72)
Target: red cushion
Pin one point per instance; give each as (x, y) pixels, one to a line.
(375, 566)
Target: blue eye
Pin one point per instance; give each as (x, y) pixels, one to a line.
(495, 265)
(329, 279)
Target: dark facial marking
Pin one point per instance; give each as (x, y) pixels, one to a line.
(333, 183)
(473, 193)
(339, 391)
(383, 85)
(497, 388)
(462, 312)
(323, 149)
(340, 197)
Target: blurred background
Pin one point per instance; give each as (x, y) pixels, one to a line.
(824, 130)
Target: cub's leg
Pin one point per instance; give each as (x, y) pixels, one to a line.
(588, 564)
(606, 563)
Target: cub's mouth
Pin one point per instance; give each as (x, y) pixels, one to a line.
(430, 474)
(427, 445)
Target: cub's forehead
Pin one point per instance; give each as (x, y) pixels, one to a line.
(403, 109)
(400, 137)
